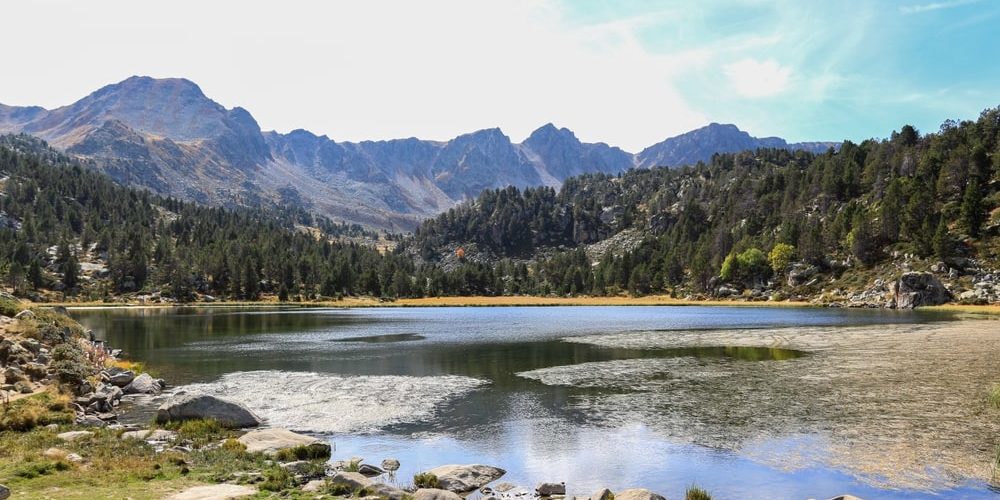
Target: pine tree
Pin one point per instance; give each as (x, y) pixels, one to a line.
(972, 212)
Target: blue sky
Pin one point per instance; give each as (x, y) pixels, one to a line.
(810, 70)
(629, 73)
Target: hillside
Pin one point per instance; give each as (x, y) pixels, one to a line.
(841, 226)
(167, 136)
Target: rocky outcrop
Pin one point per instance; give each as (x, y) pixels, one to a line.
(638, 494)
(196, 406)
(465, 478)
(435, 494)
(272, 441)
(915, 289)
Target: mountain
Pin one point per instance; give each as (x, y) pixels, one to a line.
(168, 136)
(701, 144)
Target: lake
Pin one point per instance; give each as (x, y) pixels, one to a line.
(745, 402)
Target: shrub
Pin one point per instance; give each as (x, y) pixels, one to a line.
(302, 453)
(425, 480)
(200, 430)
(277, 479)
(10, 306)
(70, 363)
(696, 493)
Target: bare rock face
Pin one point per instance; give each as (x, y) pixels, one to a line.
(463, 478)
(638, 494)
(917, 289)
(435, 494)
(195, 406)
(271, 441)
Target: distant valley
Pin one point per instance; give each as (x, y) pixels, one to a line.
(167, 136)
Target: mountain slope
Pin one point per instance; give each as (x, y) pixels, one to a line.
(166, 135)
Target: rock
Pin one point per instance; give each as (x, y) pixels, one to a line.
(845, 497)
(35, 371)
(143, 384)
(637, 494)
(915, 289)
(90, 421)
(25, 314)
(313, 486)
(73, 457)
(370, 470)
(353, 480)
(74, 435)
(604, 494)
(150, 435)
(195, 406)
(390, 464)
(55, 454)
(119, 377)
(52, 427)
(214, 492)
(108, 393)
(504, 487)
(465, 478)
(271, 441)
(435, 494)
(298, 467)
(549, 489)
(801, 273)
(4, 492)
(384, 491)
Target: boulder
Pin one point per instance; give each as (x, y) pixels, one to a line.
(214, 492)
(4, 492)
(604, 494)
(465, 478)
(549, 489)
(119, 377)
(435, 494)
(74, 435)
(352, 480)
(390, 464)
(313, 486)
(55, 454)
(90, 421)
(73, 457)
(384, 491)
(25, 314)
(143, 384)
(638, 494)
(271, 441)
(150, 435)
(195, 406)
(370, 470)
(915, 289)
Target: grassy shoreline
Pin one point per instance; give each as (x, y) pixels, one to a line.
(507, 301)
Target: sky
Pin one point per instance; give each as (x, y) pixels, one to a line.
(629, 73)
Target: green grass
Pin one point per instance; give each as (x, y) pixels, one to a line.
(303, 453)
(34, 411)
(696, 493)
(993, 398)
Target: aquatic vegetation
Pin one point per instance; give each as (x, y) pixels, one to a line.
(696, 493)
(994, 396)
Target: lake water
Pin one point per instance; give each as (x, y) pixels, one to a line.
(745, 402)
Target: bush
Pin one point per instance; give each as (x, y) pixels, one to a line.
(33, 470)
(425, 480)
(10, 306)
(301, 453)
(277, 479)
(201, 431)
(70, 363)
(696, 493)
(994, 396)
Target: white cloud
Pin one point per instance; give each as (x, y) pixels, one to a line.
(752, 78)
(928, 7)
(362, 70)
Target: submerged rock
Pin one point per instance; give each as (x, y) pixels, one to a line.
(435, 494)
(195, 406)
(638, 494)
(271, 441)
(390, 464)
(464, 478)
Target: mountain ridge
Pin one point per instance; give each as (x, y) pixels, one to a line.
(168, 136)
